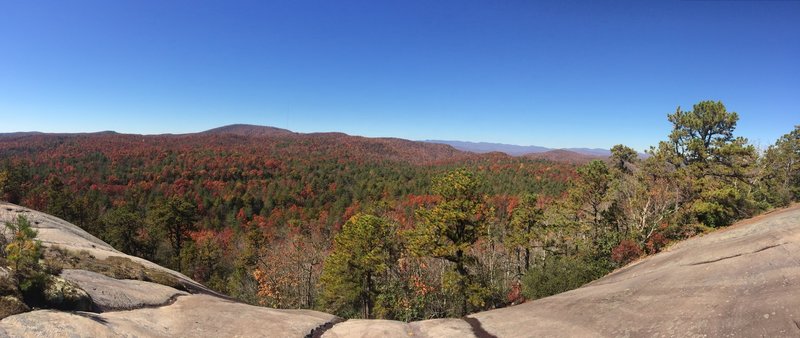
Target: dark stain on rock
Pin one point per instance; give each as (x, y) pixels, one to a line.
(477, 328)
(318, 331)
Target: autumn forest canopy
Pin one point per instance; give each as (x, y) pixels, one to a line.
(389, 228)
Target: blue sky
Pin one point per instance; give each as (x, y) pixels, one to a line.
(549, 73)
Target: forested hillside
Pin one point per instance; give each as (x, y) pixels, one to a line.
(225, 208)
(391, 228)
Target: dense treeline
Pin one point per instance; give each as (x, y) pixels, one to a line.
(700, 178)
(250, 216)
(389, 228)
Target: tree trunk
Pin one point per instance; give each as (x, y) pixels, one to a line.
(527, 259)
(368, 295)
(462, 281)
(178, 246)
(309, 287)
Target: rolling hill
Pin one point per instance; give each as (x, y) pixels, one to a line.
(247, 130)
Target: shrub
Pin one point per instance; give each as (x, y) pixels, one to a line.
(626, 252)
(23, 253)
(558, 274)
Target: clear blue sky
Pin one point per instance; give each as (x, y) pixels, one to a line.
(549, 73)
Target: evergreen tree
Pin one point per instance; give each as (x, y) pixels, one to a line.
(174, 219)
(622, 158)
(62, 203)
(24, 252)
(589, 195)
(15, 179)
(698, 135)
(450, 229)
(716, 167)
(364, 249)
(124, 227)
(526, 228)
(781, 169)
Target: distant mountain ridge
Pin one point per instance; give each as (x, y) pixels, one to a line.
(517, 150)
(486, 147)
(280, 143)
(396, 148)
(563, 155)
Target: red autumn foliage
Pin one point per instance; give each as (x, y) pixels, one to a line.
(626, 252)
(656, 242)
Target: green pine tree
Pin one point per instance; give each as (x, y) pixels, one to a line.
(450, 229)
(526, 228)
(717, 168)
(364, 250)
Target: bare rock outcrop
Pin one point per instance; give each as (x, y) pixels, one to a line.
(740, 281)
(109, 294)
(188, 316)
(124, 307)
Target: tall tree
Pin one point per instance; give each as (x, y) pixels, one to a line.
(644, 198)
(364, 249)
(526, 228)
(450, 229)
(175, 218)
(62, 203)
(623, 158)
(699, 134)
(717, 167)
(781, 166)
(125, 227)
(15, 179)
(589, 195)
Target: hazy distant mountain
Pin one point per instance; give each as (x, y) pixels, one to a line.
(591, 151)
(517, 150)
(564, 155)
(19, 134)
(22, 134)
(486, 147)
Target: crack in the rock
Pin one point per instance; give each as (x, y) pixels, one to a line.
(318, 331)
(796, 323)
(477, 328)
(736, 255)
(768, 247)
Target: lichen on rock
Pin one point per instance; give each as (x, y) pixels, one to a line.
(10, 305)
(65, 295)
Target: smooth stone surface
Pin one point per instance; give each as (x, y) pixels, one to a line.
(189, 316)
(743, 281)
(111, 294)
(443, 328)
(370, 328)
